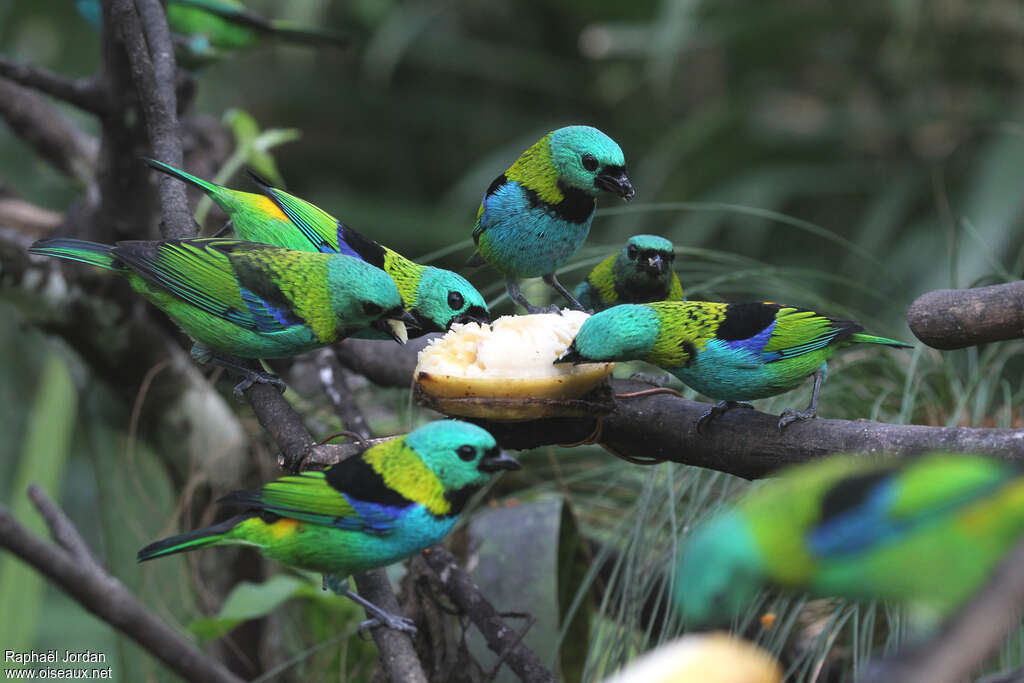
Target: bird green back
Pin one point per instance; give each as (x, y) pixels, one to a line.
(927, 531)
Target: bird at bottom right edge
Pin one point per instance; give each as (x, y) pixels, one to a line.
(925, 531)
(732, 352)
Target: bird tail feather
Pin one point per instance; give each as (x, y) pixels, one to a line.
(93, 253)
(308, 35)
(192, 540)
(872, 339)
(204, 185)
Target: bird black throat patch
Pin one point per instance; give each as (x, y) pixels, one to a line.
(356, 477)
(458, 499)
(743, 321)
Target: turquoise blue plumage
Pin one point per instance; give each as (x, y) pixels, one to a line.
(436, 298)
(641, 272)
(248, 300)
(926, 531)
(370, 510)
(731, 352)
(536, 215)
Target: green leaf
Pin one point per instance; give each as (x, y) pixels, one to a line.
(250, 601)
(44, 454)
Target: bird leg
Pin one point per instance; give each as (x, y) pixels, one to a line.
(714, 411)
(380, 617)
(239, 366)
(653, 380)
(224, 229)
(573, 302)
(789, 416)
(514, 293)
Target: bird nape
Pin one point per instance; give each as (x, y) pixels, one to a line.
(373, 509)
(732, 352)
(535, 215)
(926, 531)
(436, 298)
(241, 300)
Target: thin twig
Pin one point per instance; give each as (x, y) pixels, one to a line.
(74, 568)
(501, 638)
(84, 93)
(335, 383)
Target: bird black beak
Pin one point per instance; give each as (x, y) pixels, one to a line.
(614, 180)
(392, 323)
(473, 314)
(571, 355)
(496, 460)
(653, 264)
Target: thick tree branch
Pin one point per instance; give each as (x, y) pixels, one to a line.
(661, 427)
(53, 137)
(84, 93)
(501, 639)
(387, 365)
(73, 567)
(158, 106)
(955, 318)
(968, 638)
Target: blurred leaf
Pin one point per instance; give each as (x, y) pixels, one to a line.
(44, 454)
(249, 601)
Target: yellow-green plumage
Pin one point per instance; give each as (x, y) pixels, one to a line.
(641, 272)
(436, 298)
(370, 510)
(927, 531)
(729, 351)
(243, 299)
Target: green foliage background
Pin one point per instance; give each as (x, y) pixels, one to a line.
(847, 156)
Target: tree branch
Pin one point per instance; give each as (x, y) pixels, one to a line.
(74, 568)
(83, 93)
(661, 427)
(501, 639)
(955, 318)
(968, 638)
(53, 137)
(158, 105)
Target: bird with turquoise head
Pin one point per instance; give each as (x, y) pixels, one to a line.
(927, 531)
(732, 352)
(370, 510)
(535, 215)
(640, 273)
(436, 298)
(242, 300)
(206, 31)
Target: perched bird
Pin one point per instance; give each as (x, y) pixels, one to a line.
(247, 300)
(537, 213)
(435, 297)
(640, 273)
(370, 510)
(731, 352)
(205, 31)
(927, 531)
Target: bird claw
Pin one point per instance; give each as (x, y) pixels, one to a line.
(389, 621)
(714, 411)
(255, 377)
(789, 416)
(534, 310)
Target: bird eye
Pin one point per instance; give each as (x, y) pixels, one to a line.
(466, 453)
(371, 308)
(631, 252)
(455, 301)
(589, 162)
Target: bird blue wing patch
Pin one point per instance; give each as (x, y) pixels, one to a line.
(372, 518)
(267, 317)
